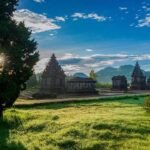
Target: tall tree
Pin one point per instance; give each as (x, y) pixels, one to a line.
(93, 75)
(18, 50)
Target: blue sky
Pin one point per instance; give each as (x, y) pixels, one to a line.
(87, 29)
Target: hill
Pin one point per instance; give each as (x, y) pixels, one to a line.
(105, 75)
(80, 74)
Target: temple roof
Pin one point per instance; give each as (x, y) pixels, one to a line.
(119, 78)
(53, 67)
(137, 72)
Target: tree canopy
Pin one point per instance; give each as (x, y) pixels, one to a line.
(92, 75)
(18, 50)
(7, 7)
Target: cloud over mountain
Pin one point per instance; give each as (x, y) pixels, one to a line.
(74, 63)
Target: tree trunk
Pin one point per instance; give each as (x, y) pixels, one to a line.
(1, 111)
(9, 103)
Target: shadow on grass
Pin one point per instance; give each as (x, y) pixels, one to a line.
(133, 100)
(121, 128)
(5, 128)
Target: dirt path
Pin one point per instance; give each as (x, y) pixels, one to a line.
(74, 99)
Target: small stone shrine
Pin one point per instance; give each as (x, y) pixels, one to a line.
(81, 85)
(119, 83)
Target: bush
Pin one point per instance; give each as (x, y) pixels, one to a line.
(147, 104)
(104, 85)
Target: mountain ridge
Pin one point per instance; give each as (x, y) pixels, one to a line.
(105, 75)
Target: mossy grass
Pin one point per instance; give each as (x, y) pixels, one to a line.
(120, 123)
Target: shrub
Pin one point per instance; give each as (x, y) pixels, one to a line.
(104, 85)
(136, 98)
(147, 104)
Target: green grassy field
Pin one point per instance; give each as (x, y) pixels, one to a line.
(92, 125)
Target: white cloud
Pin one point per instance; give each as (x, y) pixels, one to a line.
(67, 56)
(51, 34)
(146, 8)
(39, 1)
(40, 66)
(75, 63)
(58, 18)
(92, 16)
(143, 18)
(100, 64)
(36, 22)
(89, 50)
(136, 16)
(123, 8)
(69, 69)
(78, 15)
(144, 22)
(143, 57)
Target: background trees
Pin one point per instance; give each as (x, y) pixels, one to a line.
(92, 75)
(19, 53)
(32, 82)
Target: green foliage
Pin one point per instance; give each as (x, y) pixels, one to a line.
(19, 51)
(147, 104)
(104, 85)
(92, 75)
(85, 125)
(6, 90)
(6, 8)
(32, 82)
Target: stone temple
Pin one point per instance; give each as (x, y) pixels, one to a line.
(53, 78)
(54, 82)
(148, 83)
(138, 79)
(81, 85)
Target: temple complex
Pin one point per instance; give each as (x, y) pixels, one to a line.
(119, 83)
(53, 82)
(53, 78)
(138, 79)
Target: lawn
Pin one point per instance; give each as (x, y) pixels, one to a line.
(92, 125)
